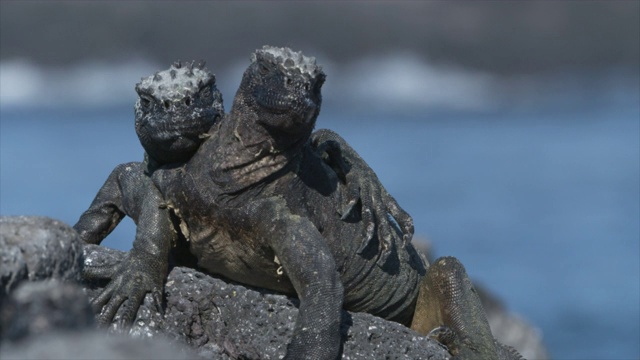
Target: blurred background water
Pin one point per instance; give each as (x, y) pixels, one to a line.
(510, 131)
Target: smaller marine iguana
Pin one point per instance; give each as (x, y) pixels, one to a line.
(174, 111)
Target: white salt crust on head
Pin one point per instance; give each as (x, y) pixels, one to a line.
(179, 80)
(288, 59)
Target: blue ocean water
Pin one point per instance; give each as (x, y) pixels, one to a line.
(542, 207)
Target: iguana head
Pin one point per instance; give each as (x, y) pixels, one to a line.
(282, 88)
(175, 110)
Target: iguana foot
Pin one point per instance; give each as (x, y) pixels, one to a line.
(443, 335)
(379, 210)
(130, 281)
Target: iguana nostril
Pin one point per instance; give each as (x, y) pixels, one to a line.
(167, 104)
(187, 101)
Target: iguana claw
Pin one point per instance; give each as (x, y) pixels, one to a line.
(131, 281)
(361, 186)
(348, 209)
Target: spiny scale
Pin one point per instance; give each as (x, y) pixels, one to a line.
(290, 61)
(181, 79)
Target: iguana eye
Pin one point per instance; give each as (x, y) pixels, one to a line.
(264, 70)
(206, 92)
(145, 102)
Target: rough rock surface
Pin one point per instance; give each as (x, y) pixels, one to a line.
(37, 248)
(511, 329)
(44, 313)
(50, 319)
(227, 321)
(216, 319)
(219, 320)
(93, 344)
(36, 308)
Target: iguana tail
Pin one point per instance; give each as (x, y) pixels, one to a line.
(449, 310)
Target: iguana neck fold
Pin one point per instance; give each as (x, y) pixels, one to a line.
(273, 115)
(244, 162)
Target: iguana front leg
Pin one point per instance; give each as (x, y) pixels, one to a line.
(308, 263)
(107, 208)
(143, 271)
(129, 191)
(363, 185)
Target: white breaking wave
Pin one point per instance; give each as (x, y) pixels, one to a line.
(404, 81)
(23, 84)
(398, 81)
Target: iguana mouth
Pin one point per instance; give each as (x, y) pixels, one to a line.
(282, 104)
(171, 138)
(188, 127)
(168, 127)
(272, 102)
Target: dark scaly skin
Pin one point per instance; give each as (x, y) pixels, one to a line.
(262, 208)
(188, 94)
(129, 191)
(174, 112)
(319, 290)
(449, 310)
(260, 204)
(364, 184)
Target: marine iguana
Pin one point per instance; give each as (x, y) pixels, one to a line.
(260, 162)
(175, 109)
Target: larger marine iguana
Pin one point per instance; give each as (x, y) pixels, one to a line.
(260, 162)
(257, 198)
